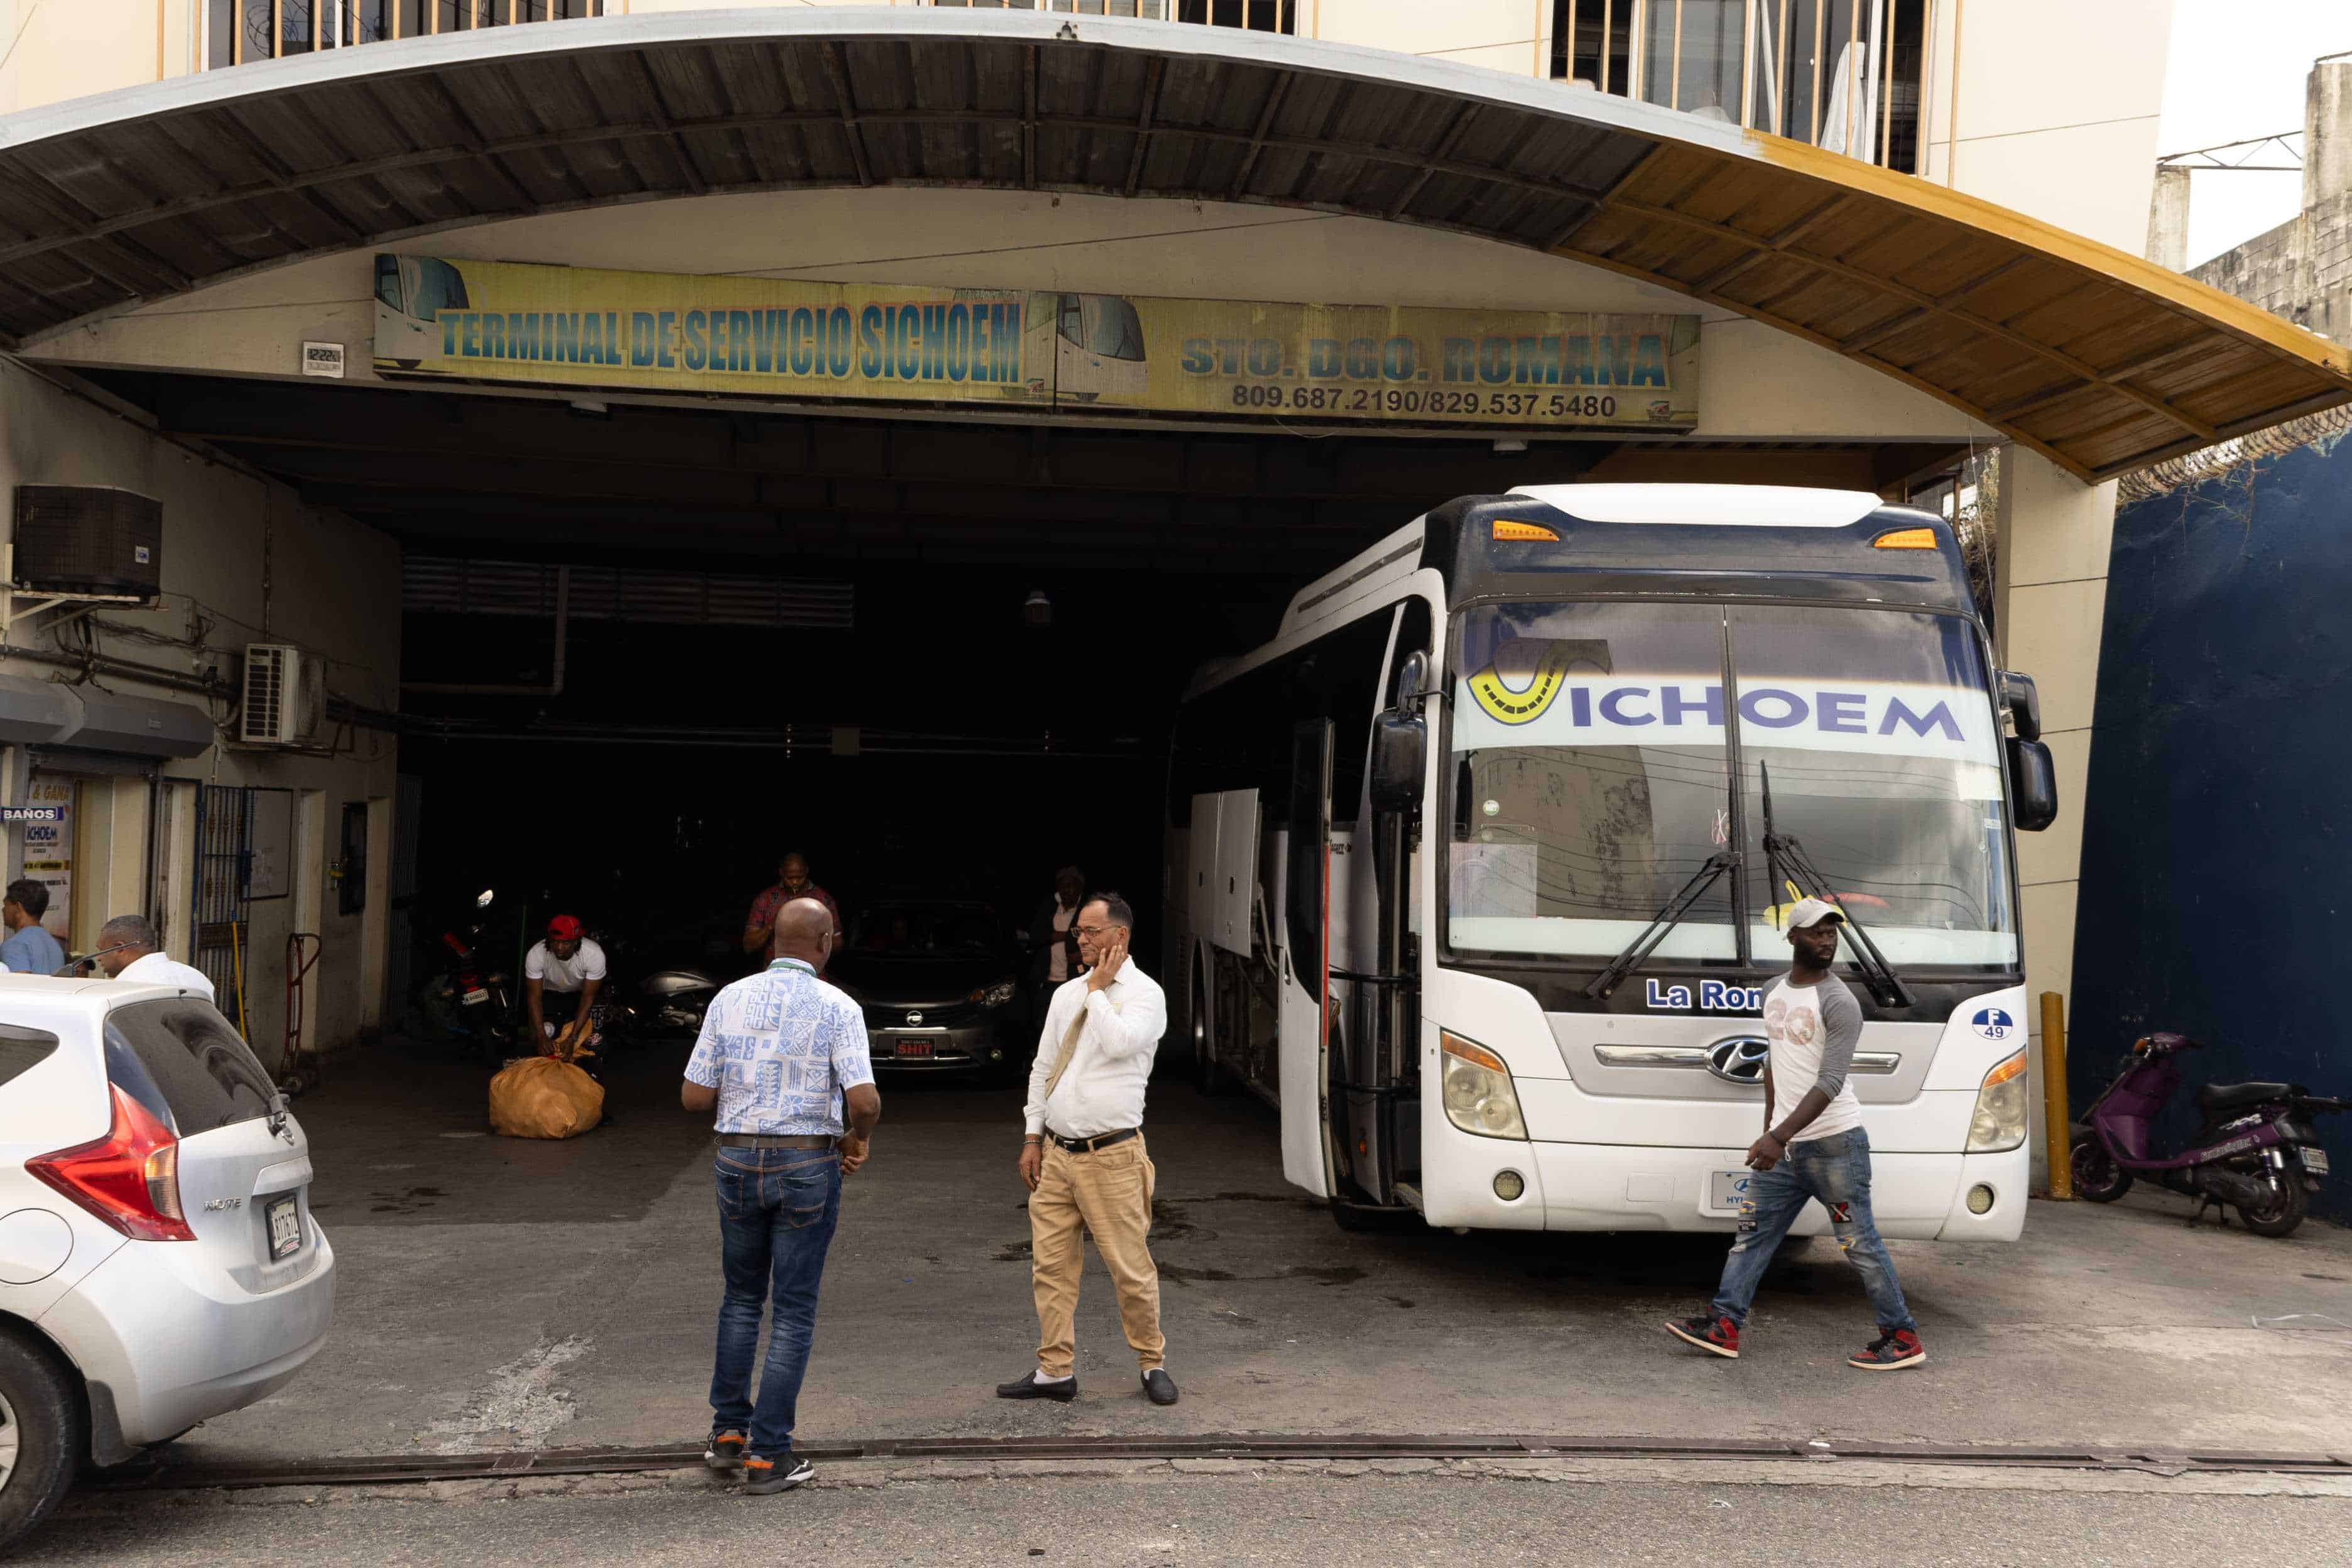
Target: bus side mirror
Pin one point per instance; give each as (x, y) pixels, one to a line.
(2032, 785)
(1400, 751)
(2023, 700)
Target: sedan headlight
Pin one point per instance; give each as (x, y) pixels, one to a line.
(1477, 1090)
(2001, 1115)
(996, 996)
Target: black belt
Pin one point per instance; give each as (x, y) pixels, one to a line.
(775, 1141)
(1100, 1139)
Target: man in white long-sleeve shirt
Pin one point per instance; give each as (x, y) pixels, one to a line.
(1083, 1159)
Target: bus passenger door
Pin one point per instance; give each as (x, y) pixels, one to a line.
(1305, 967)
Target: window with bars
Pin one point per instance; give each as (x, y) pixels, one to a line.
(237, 31)
(1256, 16)
(1848, 76)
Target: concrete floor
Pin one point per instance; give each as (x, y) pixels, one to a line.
(496, 1294)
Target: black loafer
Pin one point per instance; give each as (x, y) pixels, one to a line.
(1159, 1386)
(1028, 1387)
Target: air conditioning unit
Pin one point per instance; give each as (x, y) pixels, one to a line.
(88, 540)
(285, 696)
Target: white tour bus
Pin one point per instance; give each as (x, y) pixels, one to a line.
(1472, 875)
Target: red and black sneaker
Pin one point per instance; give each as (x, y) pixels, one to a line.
(1718, 1336)
(1900, 1347)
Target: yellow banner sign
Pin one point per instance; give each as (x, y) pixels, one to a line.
(496, 321)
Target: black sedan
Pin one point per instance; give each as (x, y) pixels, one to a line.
(941, 983)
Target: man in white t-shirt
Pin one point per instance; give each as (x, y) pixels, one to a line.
(1817, 1150)
(560, 977)
(136, 955)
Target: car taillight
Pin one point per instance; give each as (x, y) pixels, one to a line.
(130, 1178)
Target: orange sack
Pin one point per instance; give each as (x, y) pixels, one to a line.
(540, 1097)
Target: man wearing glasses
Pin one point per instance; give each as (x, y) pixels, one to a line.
(1083, 1159)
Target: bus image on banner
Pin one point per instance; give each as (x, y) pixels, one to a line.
(1477, 870)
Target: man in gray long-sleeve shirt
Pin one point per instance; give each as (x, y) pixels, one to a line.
(1818, 1150)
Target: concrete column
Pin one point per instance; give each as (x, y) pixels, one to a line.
(2327, 133)
(2054, 531)
(2167, 218)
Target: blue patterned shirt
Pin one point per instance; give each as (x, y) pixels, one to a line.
(779, 1047)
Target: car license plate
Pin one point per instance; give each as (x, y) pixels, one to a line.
(476, 994)
(2314, 1159)
(1727, 1190)
(913, 1047)
(285, 1227)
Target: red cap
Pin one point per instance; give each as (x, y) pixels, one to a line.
(565, 928)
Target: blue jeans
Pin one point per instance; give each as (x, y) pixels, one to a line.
(777, 1209)
(1836, 1170)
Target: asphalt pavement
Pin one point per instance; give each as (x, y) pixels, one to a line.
(1148, 1516)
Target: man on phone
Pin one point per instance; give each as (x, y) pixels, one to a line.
(1817, 1149)
(1083, 1159)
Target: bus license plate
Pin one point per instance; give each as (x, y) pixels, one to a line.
(2314, 1159)
(285, 1227)
(914, 1048)
(1727, 1191)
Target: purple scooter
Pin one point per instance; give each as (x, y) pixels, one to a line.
(2256, 1153)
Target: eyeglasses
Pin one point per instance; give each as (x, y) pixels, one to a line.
(1098, 930)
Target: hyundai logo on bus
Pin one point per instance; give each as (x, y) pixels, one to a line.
(1714, 996)
(1738, 1059)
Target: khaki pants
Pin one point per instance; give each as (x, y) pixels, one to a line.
(1108, 1193)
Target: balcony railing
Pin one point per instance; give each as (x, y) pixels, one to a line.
(1848, 75)
(235, 31)
(1256, 16)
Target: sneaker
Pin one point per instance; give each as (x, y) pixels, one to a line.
(1719, 1336)
(764, 1477)
(1889, 1351)
(726, 1451)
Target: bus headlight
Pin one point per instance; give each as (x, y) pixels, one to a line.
(1478, 1094)
(2001, 1117)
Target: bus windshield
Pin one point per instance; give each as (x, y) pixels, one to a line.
(1593, 760)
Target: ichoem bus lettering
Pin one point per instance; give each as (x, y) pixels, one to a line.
(1604, 706)
(953, 342)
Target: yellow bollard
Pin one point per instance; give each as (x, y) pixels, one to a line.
(2055, 1121)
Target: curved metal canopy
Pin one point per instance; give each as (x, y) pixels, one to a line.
(2101, 361)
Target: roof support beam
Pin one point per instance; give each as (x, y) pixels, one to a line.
(1143, 126)
(1776, 245)
(1274, 97)
(1452, 137)
(838, 75)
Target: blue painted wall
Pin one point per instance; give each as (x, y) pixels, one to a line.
(2217, 854)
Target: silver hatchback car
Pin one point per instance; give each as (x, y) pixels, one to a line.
(159, 1265)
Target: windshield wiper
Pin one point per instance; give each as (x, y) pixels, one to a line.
(1665, 920)
(1876, 973)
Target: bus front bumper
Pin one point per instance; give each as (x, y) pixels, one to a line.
(1598, 1188)
(1916, 1197)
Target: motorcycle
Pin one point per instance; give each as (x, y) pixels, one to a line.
(672, 1002)
(2256, 1150)
(468, 998)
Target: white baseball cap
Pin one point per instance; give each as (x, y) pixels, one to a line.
(1812, 912)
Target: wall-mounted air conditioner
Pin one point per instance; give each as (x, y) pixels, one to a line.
(285, 696)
